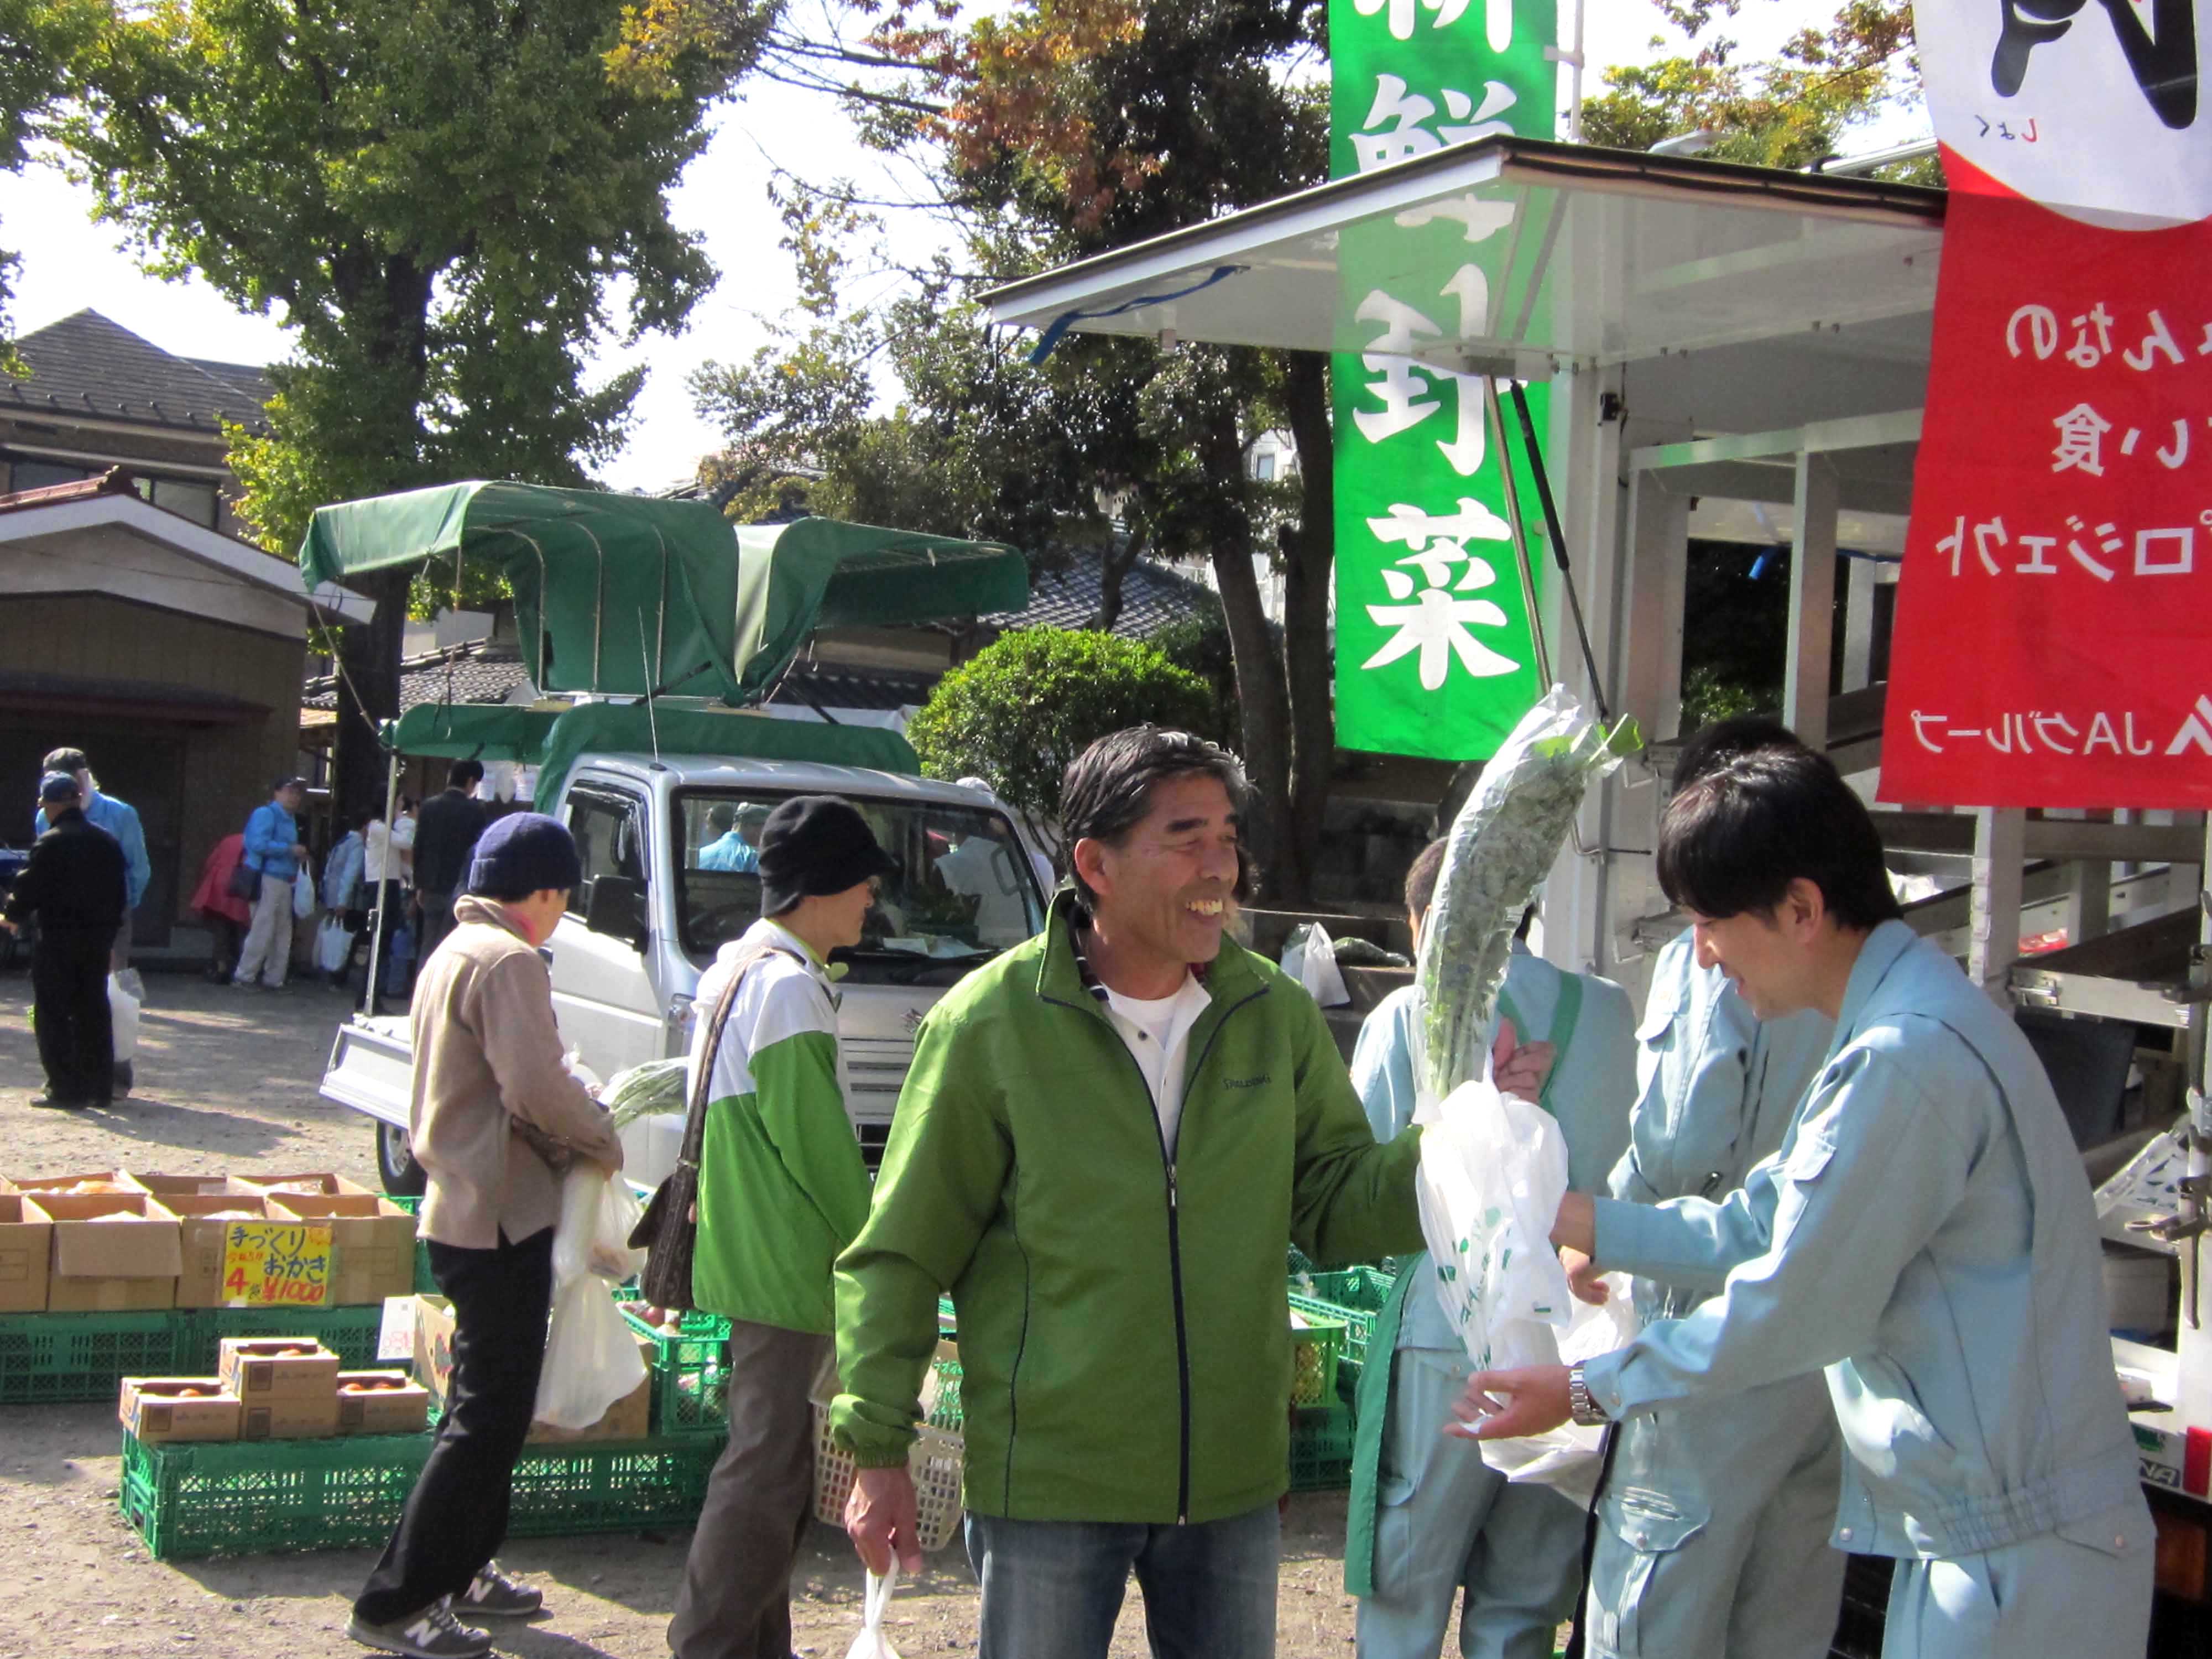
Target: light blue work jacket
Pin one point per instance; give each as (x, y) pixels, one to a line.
(271, 835)
(1716, 1091)
(120, 820)
(1590, 1089)
(1926, 1234)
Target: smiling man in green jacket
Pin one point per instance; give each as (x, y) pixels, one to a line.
(1106, 1137)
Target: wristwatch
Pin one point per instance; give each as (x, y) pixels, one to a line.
(1584, 1409)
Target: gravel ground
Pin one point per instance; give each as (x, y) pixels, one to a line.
(226, 1081)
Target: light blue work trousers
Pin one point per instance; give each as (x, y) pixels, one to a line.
(2078, 1593)
(1449, 1526)
(1712, 1541)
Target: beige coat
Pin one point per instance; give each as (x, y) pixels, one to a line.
(487, 1060)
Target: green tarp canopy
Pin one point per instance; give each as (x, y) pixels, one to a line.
(551, 739)
(625, 594)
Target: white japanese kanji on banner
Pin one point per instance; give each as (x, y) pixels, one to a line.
(2053, 643)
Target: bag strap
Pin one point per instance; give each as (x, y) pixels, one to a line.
(695, 1117)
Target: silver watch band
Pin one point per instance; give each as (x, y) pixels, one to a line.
(1584, 1409)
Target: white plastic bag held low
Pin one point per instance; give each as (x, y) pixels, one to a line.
(871, 1643)
(303, 895)
(123, 1016)
(1309, 958)
(333, 945)
(590, 1359)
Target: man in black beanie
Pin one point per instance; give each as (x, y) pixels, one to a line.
(782, 1190)
(496, 1120)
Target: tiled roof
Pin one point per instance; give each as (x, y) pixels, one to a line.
(477, 675)
(85, 365)
(249, 378)
(114, 482)
(1153, 596)
(481, 674)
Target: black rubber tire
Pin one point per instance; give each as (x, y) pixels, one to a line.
(395, 1161)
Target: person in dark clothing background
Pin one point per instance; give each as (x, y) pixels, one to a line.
(77, 886)
(445, 839)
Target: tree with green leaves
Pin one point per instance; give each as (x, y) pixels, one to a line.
(1021, 710)
(37, 37)
(440, 199)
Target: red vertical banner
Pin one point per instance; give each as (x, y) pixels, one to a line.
(2053, 641)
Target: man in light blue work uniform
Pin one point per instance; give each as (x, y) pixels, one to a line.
(736, 845)
(120, 820)
(1925, 1234)
(1713, 1526)
(1430, 1523)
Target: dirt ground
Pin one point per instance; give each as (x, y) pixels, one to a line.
(227, 1081)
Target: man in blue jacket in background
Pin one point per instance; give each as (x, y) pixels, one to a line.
(274, 848)
(1431, 1525)
(120, 821)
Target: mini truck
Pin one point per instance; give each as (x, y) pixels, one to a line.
(664, 780)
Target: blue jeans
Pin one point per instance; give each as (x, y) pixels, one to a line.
(1053, 1589)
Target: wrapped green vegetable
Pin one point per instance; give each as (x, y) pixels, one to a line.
(645, 1091)
(1501, 845)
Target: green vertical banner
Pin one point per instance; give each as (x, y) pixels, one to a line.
(1434, 648)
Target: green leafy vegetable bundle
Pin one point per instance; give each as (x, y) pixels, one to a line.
(1501, 846)
(645, 1091)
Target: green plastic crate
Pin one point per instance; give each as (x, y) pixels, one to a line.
(351, 1333)
(690, 1373)
(1321, 1449)
(1316, 1348)
(252, 1497)
(46, 1359)
(1354, 1295)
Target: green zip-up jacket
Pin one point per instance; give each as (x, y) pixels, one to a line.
(782, 1188)
(1124, 1340)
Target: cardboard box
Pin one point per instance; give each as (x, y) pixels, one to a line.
(162, 1409)
(263, 1369)
(629, 1417)
(167, 1187)
(200, 1239)
(27, 1246)
(300, 1417)
(57, 1185)
(381, 1402)
(315, 1184)
(372, 1243)
(107, 1265)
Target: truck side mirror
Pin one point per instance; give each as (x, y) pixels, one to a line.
(616, 909)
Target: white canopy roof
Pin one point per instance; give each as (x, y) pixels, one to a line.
(1610, 257)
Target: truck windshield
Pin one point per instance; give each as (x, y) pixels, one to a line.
(964, 891)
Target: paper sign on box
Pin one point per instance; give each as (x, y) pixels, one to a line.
(278, 1263)
(203, 1224)
(372, 1242)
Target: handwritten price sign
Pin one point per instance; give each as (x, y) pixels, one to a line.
(274, 1264)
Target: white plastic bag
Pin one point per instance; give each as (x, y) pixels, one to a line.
(1492, 1170)
(123, 1016)
(333, 945)
(871, 1643)
(303, 895)
(1309, 958)
(591, 1360)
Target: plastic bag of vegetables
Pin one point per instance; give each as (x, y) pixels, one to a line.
(1501, 846)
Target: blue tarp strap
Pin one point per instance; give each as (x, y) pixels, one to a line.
(1065, 320)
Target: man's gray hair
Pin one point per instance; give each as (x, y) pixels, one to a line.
(1108, 789)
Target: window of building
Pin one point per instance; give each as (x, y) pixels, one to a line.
(1263, 466)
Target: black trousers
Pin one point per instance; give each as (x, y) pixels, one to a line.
(68, 1000)
(456, 1517)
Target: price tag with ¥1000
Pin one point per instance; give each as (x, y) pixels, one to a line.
(275, 1264)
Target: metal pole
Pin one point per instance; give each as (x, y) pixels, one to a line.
(1520, 534)
(1558, 539)
(383, 878)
